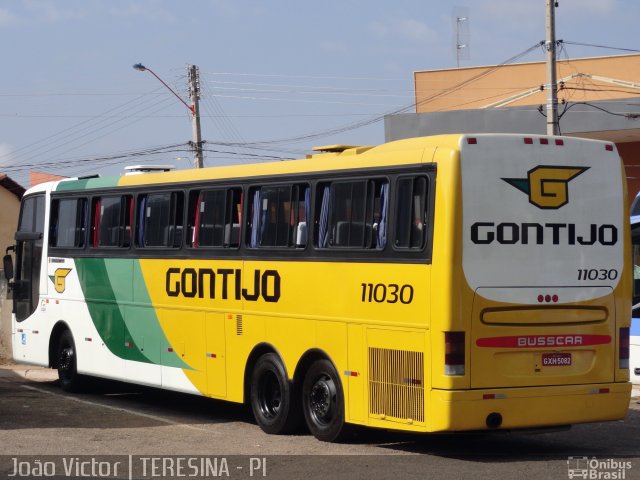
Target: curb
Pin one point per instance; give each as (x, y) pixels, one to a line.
(36, 374)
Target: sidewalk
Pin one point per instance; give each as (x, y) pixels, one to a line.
(36, 374)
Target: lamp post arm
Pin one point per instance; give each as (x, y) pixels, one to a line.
(190, 107)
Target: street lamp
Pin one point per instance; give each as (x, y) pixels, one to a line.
(193, 108)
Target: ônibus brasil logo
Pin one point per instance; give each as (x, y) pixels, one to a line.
(547, 186)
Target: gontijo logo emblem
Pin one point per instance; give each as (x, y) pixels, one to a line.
(59, 279)
(547, 186)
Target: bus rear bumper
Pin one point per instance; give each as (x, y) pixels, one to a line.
(513, 408)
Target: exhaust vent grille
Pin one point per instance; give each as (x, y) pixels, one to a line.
(238, 325)
(396, 384)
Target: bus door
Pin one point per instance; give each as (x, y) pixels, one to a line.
(26, 285)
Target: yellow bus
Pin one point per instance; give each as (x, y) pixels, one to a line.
(445, 283)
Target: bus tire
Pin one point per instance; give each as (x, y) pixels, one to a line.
(323, 402)
(67, 363)
(274, 403)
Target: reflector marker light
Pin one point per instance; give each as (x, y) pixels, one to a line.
(544, 141)
(87, 339)
(412, 381)
(20, 330)
(128, 344)
(472, 141)
(169, 349)
(596, 391)
(528, 141)
(350, 373)
(35, 332)
(548, 298)
(608, 148)
(559, 141)
(211, 355)
(494, 396)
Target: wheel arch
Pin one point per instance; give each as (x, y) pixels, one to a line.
(60, 327)
(259, 350)
(308, 358)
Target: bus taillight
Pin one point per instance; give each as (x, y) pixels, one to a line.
(623, 353)
(454, 353)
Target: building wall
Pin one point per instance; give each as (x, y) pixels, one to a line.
(491, 84)
(9, 210)
(630, 153)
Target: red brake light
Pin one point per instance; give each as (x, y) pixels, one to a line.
(623, 352)
(454, 358)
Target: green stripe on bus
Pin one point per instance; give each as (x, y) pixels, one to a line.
(130, 330)
(87, 183)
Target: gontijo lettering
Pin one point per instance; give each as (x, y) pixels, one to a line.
(222, 283)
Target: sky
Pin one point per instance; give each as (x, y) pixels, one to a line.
(277, 77)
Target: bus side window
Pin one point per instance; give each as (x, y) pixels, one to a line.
(353, 214)
(214, 219)
(68, 223)
(636, 273)
(160, 219)
(112, 221)
(278, 216)
(411, 213)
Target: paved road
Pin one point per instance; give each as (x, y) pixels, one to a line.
(38, 419)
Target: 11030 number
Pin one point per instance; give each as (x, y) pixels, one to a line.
(597, 274)
(391, 293)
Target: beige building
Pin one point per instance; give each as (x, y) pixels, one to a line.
(10, 195)
(599, 98)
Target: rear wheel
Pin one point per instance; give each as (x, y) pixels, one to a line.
(323, 402)
(275, 405)
(66, 360)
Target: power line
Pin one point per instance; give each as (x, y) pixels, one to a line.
(582, 44)
(378, 118)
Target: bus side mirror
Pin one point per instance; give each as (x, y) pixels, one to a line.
(7, 264)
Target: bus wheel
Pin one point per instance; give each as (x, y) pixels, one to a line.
(275, 406)
(70, 381)
(323, 402)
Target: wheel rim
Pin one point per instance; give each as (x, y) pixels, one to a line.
(65, 365)
(269, 395)
(322, 400)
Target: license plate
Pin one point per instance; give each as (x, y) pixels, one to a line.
(556, 359)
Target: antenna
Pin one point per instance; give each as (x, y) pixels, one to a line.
(462, 39)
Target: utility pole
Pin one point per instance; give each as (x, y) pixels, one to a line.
(194, 93)
(552, 92)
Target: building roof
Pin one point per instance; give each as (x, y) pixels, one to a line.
(11, 185)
